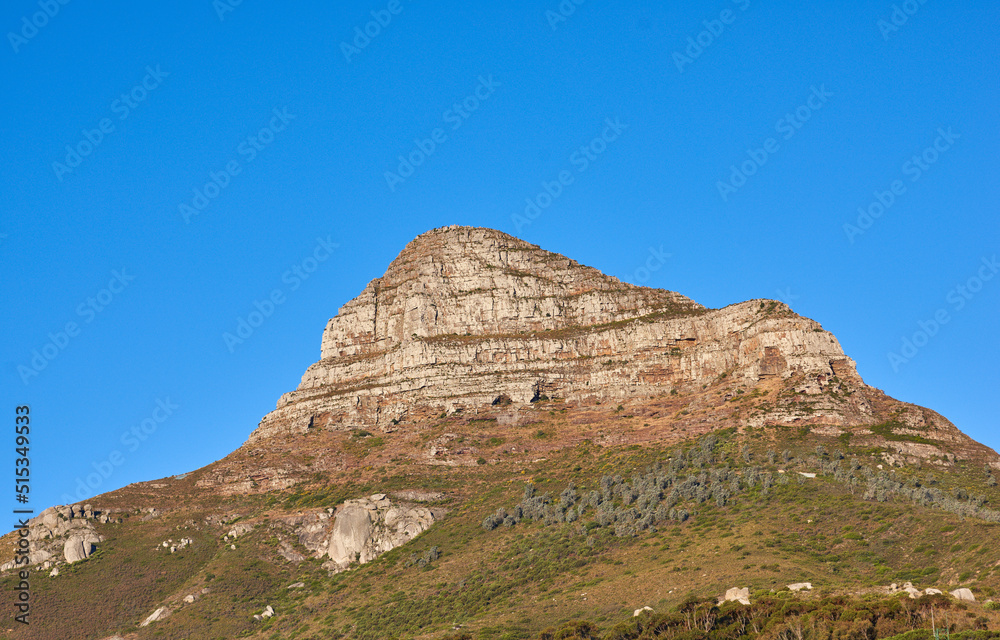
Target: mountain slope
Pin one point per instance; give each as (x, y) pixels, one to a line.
(539, 443)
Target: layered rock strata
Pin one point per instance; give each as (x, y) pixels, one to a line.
(468, 317)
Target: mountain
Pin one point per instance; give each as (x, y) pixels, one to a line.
(491, 429)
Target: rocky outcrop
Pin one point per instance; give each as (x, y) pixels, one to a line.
(157, 615)
(268, 612)
(79, 546)
(356, 531)
(468, 320)
(469, 317)
(366, 528)
(63, 533)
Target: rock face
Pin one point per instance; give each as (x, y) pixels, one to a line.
(159, 614)
(467, 316)
(468, 320)
(366, 528)
(62, 534)
(78, 547)
(737, 595)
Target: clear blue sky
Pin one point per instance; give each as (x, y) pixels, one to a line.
(742, 153)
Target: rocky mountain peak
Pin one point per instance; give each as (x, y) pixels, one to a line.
(468, 317)
(466, 280)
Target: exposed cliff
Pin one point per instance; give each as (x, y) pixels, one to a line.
(469, 317)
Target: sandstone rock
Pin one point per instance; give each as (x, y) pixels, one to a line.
(41, 556)
(737, 595)
(297, 585)
(54, 572)
(467, 319)
(638, 612)
(479, 315)
(286, 551)
(49, 518)
(77, 548)
(799, 586)
(190, 598)
(352, 529)
(268, 612)
(964, 594)
(239, 529)
(159, 614)
(932, 592)
(366, 528)
(312, 529)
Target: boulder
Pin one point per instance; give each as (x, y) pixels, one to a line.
(190, 598)
(49, 518)
(365, 528)
(737, 595)
(159, 614)
(964, 594)
(76, 548)
(637, 612)
(297, 585)
(288, 553)
(932, 592)
(351, 529)
(800, 586)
